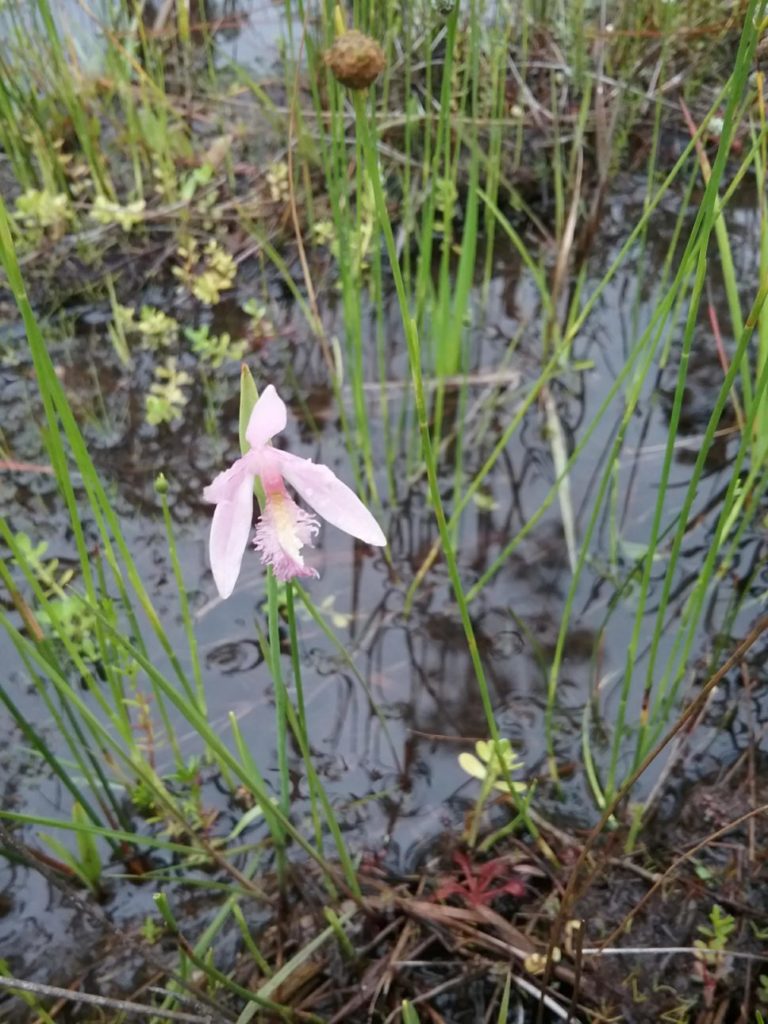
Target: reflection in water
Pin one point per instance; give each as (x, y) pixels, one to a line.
(393, 703)
(248, 32)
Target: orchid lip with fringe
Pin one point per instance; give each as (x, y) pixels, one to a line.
(283, 528)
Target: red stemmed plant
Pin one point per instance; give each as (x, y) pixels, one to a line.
(475, 884)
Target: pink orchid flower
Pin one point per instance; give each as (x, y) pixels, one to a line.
(283, 528)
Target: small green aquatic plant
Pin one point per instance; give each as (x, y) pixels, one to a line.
(167, 396)
(205, 274)
(190, 815)
(323, 233)
(711, 960)
(41, 211)
(69, 617)
(156, 328)
(215, 349)
(259, 323)
(48, 572)
(410, 1015)
(151, 931)
(278, 181)
(62, 614)
(493, 765)
(106, 211)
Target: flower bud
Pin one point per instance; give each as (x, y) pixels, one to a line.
(355, 60)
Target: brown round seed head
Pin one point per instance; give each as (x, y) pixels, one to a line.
(355, 60)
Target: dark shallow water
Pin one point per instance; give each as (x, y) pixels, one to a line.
(247, 32)
(395, 778)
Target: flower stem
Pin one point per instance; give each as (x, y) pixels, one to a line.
(281, 699)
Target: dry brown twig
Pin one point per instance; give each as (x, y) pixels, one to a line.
(94, 913)
(88, 999)
(666, 875)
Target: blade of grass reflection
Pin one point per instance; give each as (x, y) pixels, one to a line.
(317, 616)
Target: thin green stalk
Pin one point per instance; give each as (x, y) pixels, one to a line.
(617, 745)
(693, 614)
(501, 48)
(339, 194)
(281, 699)
(83, 123)
(576, 324)
(761, 175)
(41, 748)
(118, 713)
(250, 945)
(285, 712)
(60, 425)
(432, 171)
(414, 358)
(301, 715)
(116, 837)
(711, 211)
(198, 693)
(244, 769)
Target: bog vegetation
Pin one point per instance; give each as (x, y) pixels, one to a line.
(333, 224)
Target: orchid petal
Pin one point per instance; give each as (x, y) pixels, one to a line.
(230, 528)
(322, 490)
(226, 484)
(268, 418)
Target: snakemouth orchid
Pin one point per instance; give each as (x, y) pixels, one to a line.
(283, 528)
